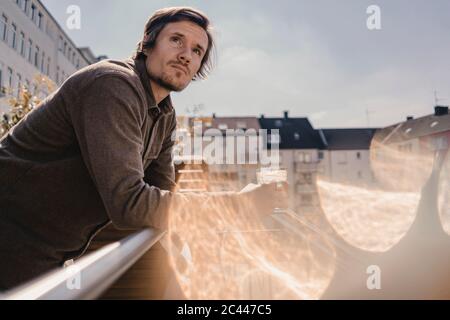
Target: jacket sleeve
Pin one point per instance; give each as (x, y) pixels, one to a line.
(161, 172)
(107, 122)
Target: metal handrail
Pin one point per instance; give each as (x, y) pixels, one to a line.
(92, 275)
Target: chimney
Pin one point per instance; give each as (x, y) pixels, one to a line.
(214, 116)
(440, 111)
(263, 116)
(286, 115)
(409, 118)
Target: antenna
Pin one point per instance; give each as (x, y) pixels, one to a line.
(437, 99)
(195, 110)
(368, 113)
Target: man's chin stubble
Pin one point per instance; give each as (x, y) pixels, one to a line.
(167, 84)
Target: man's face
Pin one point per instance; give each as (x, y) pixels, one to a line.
(177, 55)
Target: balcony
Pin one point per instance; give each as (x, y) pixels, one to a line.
(120, 269)
(307, 167)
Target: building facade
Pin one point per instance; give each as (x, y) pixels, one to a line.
(306, 153)
(404, 153)
(32, 43)
(301, 153)
(346, 157)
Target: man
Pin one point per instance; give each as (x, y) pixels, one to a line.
(98, 150)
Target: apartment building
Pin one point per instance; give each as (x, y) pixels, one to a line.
(404, 153)
(346, 156)
(33, 43)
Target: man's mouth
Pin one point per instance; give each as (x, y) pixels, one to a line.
(180, 68)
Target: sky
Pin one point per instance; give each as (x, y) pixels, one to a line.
(315, 59)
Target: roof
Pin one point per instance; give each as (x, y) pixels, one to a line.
(295, 133)
(348, 139)
(236, 123)
(416, 128)
(88, 54)
(227, 123)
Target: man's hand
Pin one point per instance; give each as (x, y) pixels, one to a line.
(265, 198)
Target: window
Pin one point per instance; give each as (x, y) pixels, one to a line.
(61, 43)
(49, 29)
(22, 44)
(358, 155)
(321, 155)
(40, 19)
(33, 12)
(65, 48)
(4, 28)
(57, 74)
(70, 53)
(278, 123)
(36, 57)
(13, 43)
(42, 62)
(10, 77)
(1, 82)
(308, 158)
(307, 178)
(19, 84)
(342, 158)
(48, 67)
(25, 6)
(30, 51)
(297, 136)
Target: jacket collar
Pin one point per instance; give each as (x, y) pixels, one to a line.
(164, 106)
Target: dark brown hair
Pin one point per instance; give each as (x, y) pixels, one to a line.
(162, 17)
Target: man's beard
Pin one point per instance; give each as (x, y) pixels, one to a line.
(165, 82)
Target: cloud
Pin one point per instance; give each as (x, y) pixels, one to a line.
(297, 56)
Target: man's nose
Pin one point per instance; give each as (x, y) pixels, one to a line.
(185, 56)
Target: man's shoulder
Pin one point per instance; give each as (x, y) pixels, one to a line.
(120, 68)
(113, 78)
(112, 75)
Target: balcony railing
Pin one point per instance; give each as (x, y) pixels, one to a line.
(92, 275)
(301, 167)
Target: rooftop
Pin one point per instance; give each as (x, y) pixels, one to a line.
(348, 139)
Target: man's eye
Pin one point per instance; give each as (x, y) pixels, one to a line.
(176, 40)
